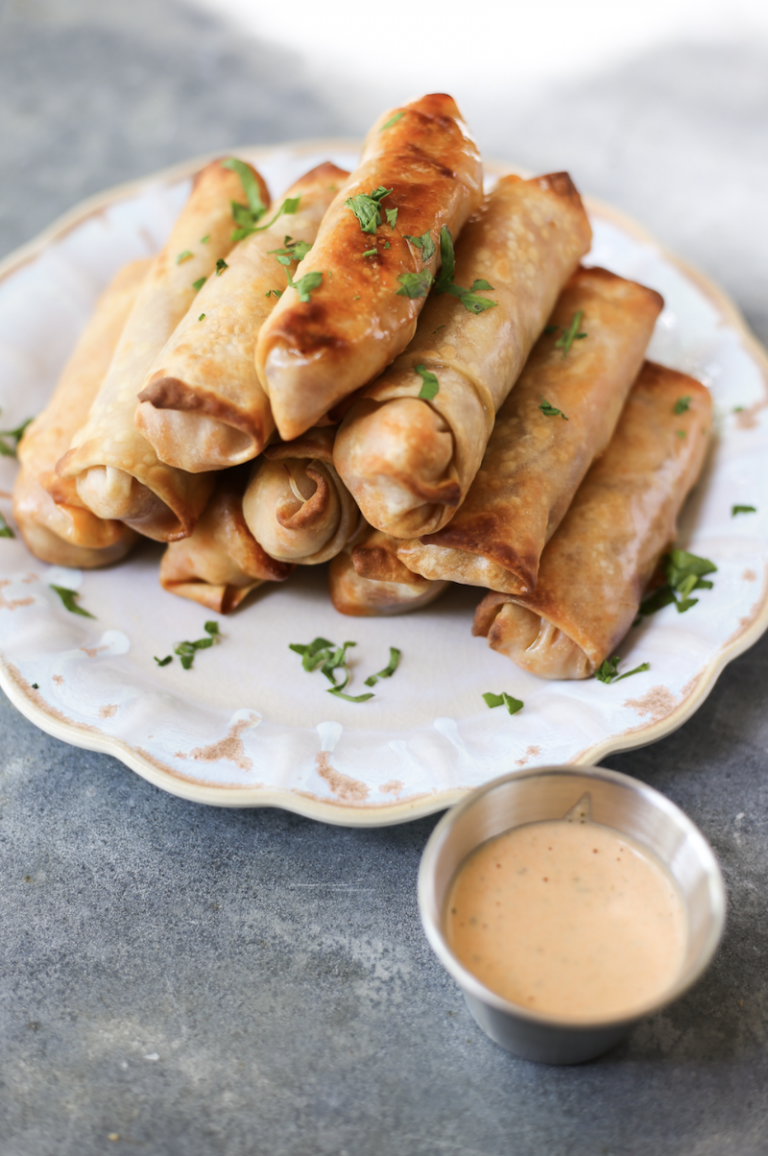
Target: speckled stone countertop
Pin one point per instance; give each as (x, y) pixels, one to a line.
(176, 979)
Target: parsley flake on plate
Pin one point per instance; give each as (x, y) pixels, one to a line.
(684, 573)
(187, 650)
(68, 597)
(9, 451)
(389, 669)
(513, 705)
(5, 529)
(743, 510)
(608, 671)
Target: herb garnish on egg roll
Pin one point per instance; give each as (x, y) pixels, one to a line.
(410, 446)
(357, 294)
(624, 516)
(117, 471)
(203, 407)
(559, 417)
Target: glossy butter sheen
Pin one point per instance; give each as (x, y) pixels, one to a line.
(568, 919)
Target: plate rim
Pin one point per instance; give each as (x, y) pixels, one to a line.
(337, 812)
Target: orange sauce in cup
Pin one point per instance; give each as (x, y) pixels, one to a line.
(570, 919)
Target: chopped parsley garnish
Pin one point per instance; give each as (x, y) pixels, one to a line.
(185, 256)
(326, 656)
(187, 650)
(204, 240)
(274, 292)
(389, 669)
(550, 410)
(386, 245)
(415, 284)
(245, 216)
(682, 405)
(5, 529)
(391, 217)
(68, 597)
(370, 252)
(551, 328)
(304, 285)
(367, 208)
(221, 265)
(444, 284)
(200, 318)
(425, 244)
(392, 120)
(434, 331)
(163, 661)
(743, 510)
(513, 705)
(291, 251)
(738, 409)
(35, 686)
(680, 433)
(431, 386)
(16, 435)
(197, 285)
(609, 670)
(684, 573)
(571, 334)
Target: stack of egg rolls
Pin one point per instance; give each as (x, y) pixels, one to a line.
(332, 381)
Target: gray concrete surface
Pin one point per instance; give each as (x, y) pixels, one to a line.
(202, 982)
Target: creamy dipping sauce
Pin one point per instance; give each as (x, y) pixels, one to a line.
(566, 918)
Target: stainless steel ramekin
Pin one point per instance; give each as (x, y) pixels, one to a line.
(629, 807)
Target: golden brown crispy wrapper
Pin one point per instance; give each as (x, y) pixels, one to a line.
(368, 580)
(64, 532)
(312, 354)
(409, 462)
(534, 463)
(220, 562)
(118, 473)
(598, 563)
(296, 506)
(203, 407)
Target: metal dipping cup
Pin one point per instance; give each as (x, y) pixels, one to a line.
(627, 806)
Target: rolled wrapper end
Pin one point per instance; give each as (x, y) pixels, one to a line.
(220, 563)
(195, 429)
(532, 642)
(361, 597)
(396, 458)
(65, 535)
(114, 494)
(296, 506)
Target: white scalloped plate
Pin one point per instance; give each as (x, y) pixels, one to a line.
(246, 726)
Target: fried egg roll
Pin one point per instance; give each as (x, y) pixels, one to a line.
(295, 505)
(410, 447)
(63, 532)
(117, 471)
(368, 580)
(360, 290)
(220, 562)
(599, 561)
(559, 417)
(203, 407)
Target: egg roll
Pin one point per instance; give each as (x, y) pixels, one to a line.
(560, 416)
(117, 472)
(409, 448)
(368, 580)
(63, 532)
(203, 407)
(295, 505)
(220, 563)
(623, 518)
(365, 281)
